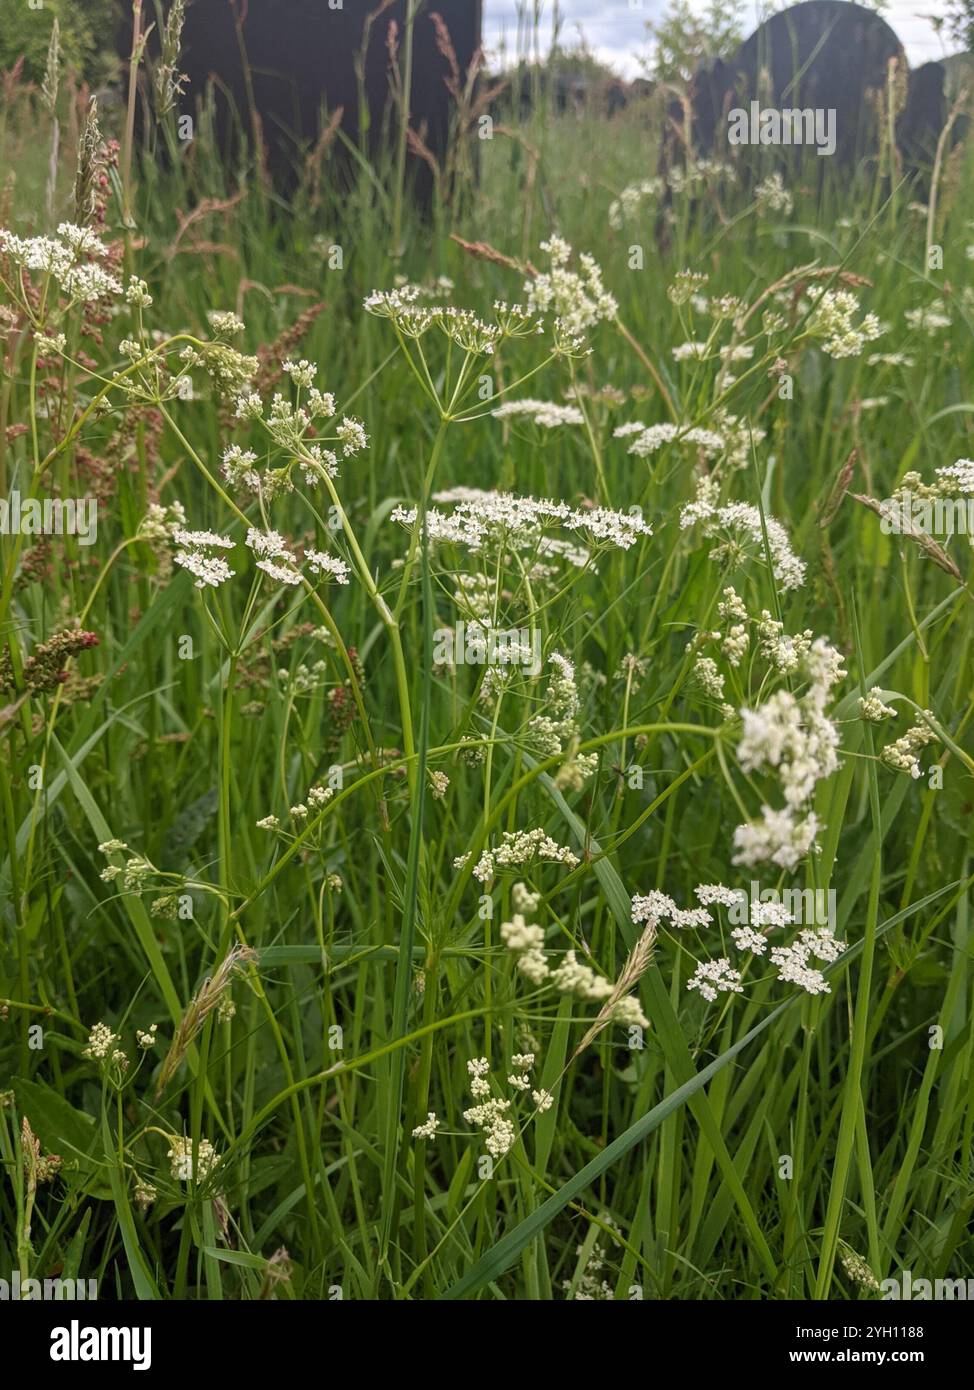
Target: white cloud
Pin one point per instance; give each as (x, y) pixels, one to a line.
(616, 29)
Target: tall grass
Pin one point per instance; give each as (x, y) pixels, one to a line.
(747, 1148)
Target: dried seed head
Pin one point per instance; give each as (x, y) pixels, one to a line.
(52, 72)
(91, 159)
(206, 999)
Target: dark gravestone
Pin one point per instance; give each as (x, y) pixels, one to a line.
(924, 117)
(293, 62)
(820, 55)
(939, 94)
(711, 95)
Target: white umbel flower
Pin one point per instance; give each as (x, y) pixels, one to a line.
(328, 566)
(427, 1130)
(579, 299)
(713, 977)
(547, 414)
(180, 1156)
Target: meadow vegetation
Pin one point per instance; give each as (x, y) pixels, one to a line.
(485, 607)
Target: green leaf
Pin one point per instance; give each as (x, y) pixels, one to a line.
(65, 1131)
(144, 1287)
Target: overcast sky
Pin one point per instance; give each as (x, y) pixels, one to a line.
(616, 29)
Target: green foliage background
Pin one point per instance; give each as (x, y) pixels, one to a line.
(87, 32)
